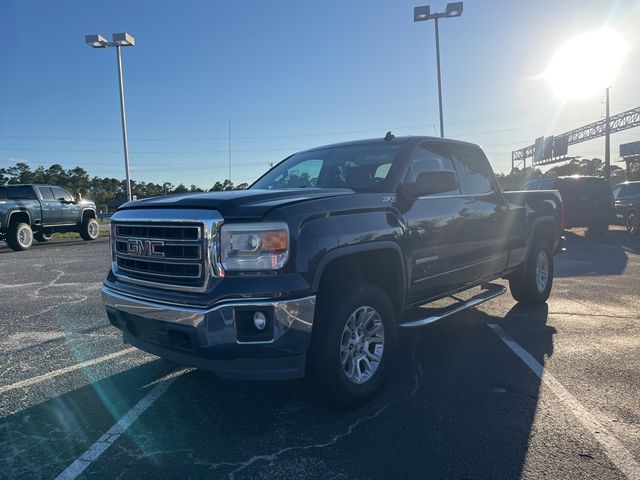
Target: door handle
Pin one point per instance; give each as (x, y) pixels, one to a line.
(501, 208)
(465, 212)
(46, 204)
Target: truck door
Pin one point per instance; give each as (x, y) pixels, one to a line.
(438, 236)
(487, 253)
(70, 213)
(51, 208)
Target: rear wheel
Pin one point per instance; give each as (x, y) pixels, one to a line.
(19, 236)
(632, 221)
(90, 229)
(353, 344)
(43, 236)
(532, 283)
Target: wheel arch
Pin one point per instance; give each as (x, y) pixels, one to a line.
(88, 212)
(380, 263)
(18, 214)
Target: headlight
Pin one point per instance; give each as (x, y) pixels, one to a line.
(254, 246)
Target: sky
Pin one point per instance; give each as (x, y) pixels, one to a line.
(287, 75)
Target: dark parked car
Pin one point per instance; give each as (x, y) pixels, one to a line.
(316, 266)
(587, 201)
(627, 203)
(29, 212)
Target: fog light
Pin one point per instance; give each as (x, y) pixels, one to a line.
(259, 320)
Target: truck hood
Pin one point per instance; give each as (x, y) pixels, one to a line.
(237, 204)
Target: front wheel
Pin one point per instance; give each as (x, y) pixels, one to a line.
(353, 345)
(90, 229)
(532, 283)
(632, 222)
(20, 237)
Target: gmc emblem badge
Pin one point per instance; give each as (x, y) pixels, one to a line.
(145, 248)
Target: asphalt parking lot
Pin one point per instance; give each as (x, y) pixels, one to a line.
(464, 402)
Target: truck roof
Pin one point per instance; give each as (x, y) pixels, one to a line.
(395, 140)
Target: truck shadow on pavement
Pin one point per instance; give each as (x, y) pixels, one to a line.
(607, 255)
(458, 405)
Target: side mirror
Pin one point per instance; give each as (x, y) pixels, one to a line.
(431, 183)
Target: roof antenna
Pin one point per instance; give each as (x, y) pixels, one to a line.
(389, 136)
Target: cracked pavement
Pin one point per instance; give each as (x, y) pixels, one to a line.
(459, 404)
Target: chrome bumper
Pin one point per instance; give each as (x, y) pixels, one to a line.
(216, 323)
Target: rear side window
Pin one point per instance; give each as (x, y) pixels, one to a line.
(21, 193)
(476, 170)
(46, 193)
(584, 186)
(430, 157)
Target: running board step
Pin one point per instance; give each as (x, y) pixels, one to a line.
(489, 291)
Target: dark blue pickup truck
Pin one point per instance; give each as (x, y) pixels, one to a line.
(314, 269)
(29, 212)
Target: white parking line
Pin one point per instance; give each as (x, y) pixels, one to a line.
(56, 373)
(617, 453)
(106, 440)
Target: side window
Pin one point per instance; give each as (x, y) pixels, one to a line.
(21, 193)
(3, 193)
(476, 170)
(61, 194)
(430, 158)
(46, 193)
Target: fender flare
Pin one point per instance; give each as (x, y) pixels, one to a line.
(95, 214)
(537, 223)
(360, 248)
(18, 211)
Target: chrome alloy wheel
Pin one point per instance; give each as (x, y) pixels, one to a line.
(632, 223)
(93, 229)
(25, 237)
(362, 344)
(542, 271)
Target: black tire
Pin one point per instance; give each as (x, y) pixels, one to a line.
(525, 285)
(598, 229)
(19, 236)
(326, 354)
(632, 221)
(42, 236)
(90, 229)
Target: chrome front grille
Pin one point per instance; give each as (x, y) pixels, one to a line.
(164, 248)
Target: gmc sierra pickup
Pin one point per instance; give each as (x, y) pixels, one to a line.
(38, 211)
(314, 268)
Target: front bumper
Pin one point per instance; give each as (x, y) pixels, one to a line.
(214, 338)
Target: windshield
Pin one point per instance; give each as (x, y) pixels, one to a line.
(363, 168)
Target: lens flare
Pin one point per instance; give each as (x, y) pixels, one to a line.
(586, 64)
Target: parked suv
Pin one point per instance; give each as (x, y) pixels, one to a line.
(314, 268)
(587, 201)
(29, 212)
(627, 204)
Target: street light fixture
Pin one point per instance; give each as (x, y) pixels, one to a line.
(422, 14)
(119, 40)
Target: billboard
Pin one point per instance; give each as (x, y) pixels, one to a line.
(629, 149)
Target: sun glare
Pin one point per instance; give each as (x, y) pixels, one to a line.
(586, 63)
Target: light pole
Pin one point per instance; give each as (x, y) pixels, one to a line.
(422, 14)
(119, 40)
(607, 140)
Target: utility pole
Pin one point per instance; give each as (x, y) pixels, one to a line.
(439, 78)
(229, 148)
(607, 140)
